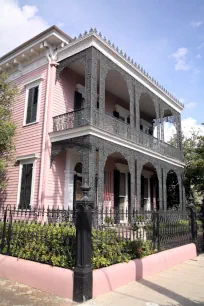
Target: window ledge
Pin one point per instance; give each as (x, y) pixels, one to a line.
(31, 81)
(28, 156)
(28, 124)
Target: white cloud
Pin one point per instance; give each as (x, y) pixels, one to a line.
(190, 105)
(198, 56)
(180, 59)
(18, 24)
(60, 24)
(196, 24)
(200, 46)
(188, 125)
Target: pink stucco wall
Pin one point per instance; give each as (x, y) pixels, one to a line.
(50, 279)
(59, 281)
(110, 278)
(28, 139)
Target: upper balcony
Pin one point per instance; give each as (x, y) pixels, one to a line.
(134, 117)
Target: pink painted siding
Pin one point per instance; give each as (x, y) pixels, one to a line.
(28, 139)
(63, 99)
(56, 179)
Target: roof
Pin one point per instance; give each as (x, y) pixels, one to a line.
(35, 38)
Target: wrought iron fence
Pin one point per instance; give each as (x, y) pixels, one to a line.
(49, 236)
(46, 236)
(163, 230)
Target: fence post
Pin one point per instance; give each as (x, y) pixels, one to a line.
(158, 231)
(202, 218)
(193, 223)
(154, 229)
(83, 278)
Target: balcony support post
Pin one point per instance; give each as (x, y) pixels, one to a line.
(91, 81)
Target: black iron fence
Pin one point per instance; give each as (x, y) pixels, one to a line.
(91, 238)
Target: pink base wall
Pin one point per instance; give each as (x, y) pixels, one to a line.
(59, 281)
(50, 279)
(110, 278)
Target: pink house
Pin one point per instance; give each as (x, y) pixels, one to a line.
(86, 112)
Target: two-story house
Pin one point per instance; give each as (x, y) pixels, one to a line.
(87, 113)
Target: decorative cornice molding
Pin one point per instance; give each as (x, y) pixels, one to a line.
(122, 54)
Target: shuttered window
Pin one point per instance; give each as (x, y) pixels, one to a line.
(32, 104)
(26, 186)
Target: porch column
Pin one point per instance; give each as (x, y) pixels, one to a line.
(137, 111)
(157, 118)
(101, 161)
(132, 184)
(164, 175)
(69, 173)
(132, 113)
(103, 72)
(138, 184)
(159, 175)
(162, 123)
(88, 160)
(91, 81)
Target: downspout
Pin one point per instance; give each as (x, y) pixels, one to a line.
(44, 133)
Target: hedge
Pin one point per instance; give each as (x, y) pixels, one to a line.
(55, 244)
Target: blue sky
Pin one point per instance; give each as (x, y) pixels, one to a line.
(165, 37)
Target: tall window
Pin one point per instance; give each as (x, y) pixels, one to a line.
(26, 186)
(32, 105)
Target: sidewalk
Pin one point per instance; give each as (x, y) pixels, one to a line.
(181, 285)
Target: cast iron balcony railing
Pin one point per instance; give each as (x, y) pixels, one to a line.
(95, 117)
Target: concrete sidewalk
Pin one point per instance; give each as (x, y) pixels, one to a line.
(181, 285)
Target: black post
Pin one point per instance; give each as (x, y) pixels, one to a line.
(193, 223)
(83, 278)
(158, 231)
(202, 218)
(154, 229)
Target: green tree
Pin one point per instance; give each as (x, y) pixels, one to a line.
(193, 149)
(7, 126)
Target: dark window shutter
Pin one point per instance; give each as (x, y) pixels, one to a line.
(26, 185)
(32, 105)
(29, 106)
(35, 104)
(77, 100)
(116, 114)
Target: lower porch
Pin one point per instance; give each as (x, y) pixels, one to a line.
(119, 179)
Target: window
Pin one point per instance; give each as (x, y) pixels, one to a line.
(32, 105)
(26, 186)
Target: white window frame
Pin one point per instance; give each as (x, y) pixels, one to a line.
(28, 86)
(23, 161)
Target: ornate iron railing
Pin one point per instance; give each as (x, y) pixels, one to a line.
(70, 120)
(95, 117)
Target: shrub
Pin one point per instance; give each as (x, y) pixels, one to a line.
(55, 244)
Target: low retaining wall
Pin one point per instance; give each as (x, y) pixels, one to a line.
(50, 279)
(59, 281)
(110, 278)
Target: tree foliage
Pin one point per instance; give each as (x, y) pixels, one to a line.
(193, 149)
(7, 126)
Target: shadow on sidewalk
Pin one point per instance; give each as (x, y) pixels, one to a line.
(170, 294)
